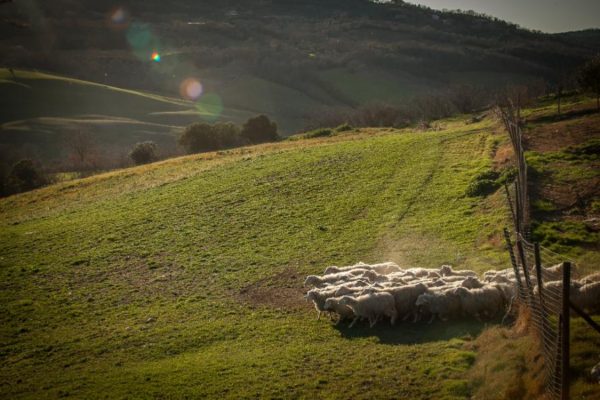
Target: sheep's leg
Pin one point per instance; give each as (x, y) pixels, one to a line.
(353, 322)
(318, 315)
(414, 317)
(394, 317)
(406, 316)
(444, 318)
(372, 322)
(431, 319)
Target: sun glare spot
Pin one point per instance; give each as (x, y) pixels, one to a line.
(118, 18)
(155, 57)
(191, 89)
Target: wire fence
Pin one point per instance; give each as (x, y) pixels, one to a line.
(546, 281)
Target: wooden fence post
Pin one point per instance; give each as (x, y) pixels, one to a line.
(540, 284)
(525, 270)
(513, 261)
(566, 319)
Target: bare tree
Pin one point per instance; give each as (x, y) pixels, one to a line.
(82, 147)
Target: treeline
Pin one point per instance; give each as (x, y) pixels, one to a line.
(457, 99)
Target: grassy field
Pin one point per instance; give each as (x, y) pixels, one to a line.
(183, 278)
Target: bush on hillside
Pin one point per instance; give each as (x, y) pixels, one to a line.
(25, 175)
(483, 184)
(202, 137)
(344, 128)
(260, 129)
(144, 153)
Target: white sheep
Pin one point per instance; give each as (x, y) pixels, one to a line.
(334, 305)
(471, 282)
(372, 307)
(443, 304)
(484, 302)
(508, 291)
(447, 270)
(590, 278)
(373, 277)
(405, 298)
(420, 272)
(348, 289)
(335, 269)
(386, 268)
(587, 297)
(321, 281)
(319, 297)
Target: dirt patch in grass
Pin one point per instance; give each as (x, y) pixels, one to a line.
(562, 133)
(283, 290)
(503, 156)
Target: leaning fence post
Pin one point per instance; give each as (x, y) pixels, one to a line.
(566, 319)
(540, 283)
(525, 269)
(513, 260)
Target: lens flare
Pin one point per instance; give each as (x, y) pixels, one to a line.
(155, 56)
(142, 41)
(191, 89)
(210, 107)
(118, 18)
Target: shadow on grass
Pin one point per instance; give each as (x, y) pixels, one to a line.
(563, 116)
(420, 332)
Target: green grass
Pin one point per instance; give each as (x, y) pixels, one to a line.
(85, 264)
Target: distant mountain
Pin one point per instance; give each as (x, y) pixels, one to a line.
(282, 57)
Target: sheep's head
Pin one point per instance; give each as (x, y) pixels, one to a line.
(461, 292)
(329, 303)
(311, 295)
(446, 270)
(471, 283)
(422, 300)
(371, 275)
(331, 270)
(345, 300)
(312, 280)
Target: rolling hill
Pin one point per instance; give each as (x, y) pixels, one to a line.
(183, 278)
(41, 111)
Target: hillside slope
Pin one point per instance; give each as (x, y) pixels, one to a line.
(183, 278)
(40, 113)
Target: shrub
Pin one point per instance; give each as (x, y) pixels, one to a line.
(344, 128)
(144, 153)
(481, 187)
(260, 129)
(201, 137)
(483, 184)
(323, 132)
(24, 176)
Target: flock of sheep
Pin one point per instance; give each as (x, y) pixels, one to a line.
(385, 290)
